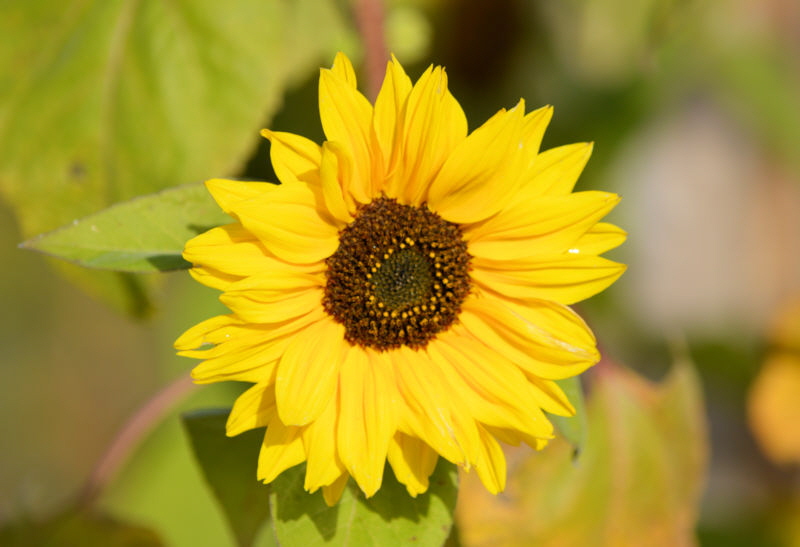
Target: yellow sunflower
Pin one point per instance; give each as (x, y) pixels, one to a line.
(402, 293)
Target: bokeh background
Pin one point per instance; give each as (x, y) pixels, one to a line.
(694, 108)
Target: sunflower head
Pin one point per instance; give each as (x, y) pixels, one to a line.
(403, 293)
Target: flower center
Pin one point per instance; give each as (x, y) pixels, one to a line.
(398, 277)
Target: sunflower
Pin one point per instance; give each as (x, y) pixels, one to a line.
(403, 293)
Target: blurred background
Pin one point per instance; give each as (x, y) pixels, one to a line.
(694, 108)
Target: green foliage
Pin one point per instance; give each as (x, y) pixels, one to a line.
(104, 101)
(77, 527)
(145, 234)
(229, 466)
(390, 517)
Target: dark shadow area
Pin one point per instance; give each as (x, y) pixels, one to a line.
(168, 262)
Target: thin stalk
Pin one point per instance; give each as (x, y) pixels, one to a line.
(131, 435)
(370, 18)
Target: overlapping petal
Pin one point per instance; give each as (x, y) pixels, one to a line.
(565, 279)
(527, 344)
(346, 119)
(308, 373)
(539, 227)
(388, 118)
(481, 175)
(288, 220)
(433, 125)
(368, 402)
(294, 158)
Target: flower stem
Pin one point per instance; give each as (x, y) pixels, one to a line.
(131, 435)
(370, 16)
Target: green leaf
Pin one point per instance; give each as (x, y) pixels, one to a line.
(77, 527)
(390, 517)
(229, 466)
(572, 428)
(145, 234)
(103, 101)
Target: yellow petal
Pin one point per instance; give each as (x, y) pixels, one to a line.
(556, 321)
(555, 171)
(213, 278)
(228, 329)
(332, 492)
(346, 117)
(533, 130)
(233, 250)
(246, 352)
(425, 411)
(501, 394)
(343, 68)
(389, 115)
(482, 173)
(319, 441)
(514, 437)
(293, 157)
(491, 466)
(565, 279)
(203, 332)
(434, 407)
(524, 343)
(308, 371)
(278, 282)
(335, 201)
(289, 223)
(546, 225)
(412, 461)
(434, 124)
(550, 397)
(254, 408)
(281, 449)
(367, 420)
(599, 239)
(237, 363)
(227, 193)
(269, 306)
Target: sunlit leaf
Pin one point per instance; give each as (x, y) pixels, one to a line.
(104, 101)
(637, 481)
(77, 527)
(144, 234)
(228, 465)
(390, 517)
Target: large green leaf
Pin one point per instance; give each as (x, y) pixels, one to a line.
(390, 517)
(229, 465)
(144, 234)
(105, 100)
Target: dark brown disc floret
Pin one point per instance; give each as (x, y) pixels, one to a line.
(398, 277)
